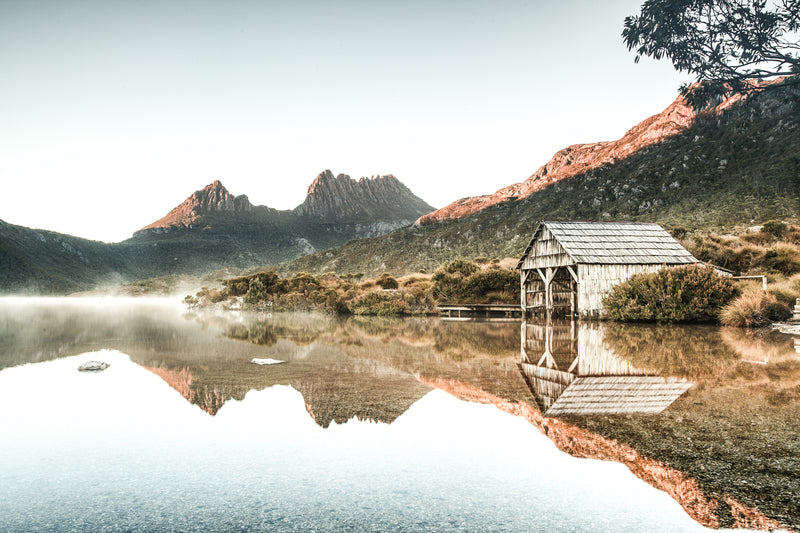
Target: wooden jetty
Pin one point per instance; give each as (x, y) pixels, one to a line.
(488, 311)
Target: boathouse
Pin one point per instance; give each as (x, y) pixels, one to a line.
(569, 267)
(572, 370)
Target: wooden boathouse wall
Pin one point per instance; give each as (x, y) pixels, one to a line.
(598, 280)
(569, 267)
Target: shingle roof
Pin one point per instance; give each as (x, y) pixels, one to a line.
(618, 395)
(616, 243)
(561, 393)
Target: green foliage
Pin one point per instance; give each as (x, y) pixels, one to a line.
(256, 296)
(494, 285)
(267, 283)
(782, 258)
(682, 294)
(679, 232)
(726, 45)
(459, 267)
(776, 228)
(378, 303)
(464, 281)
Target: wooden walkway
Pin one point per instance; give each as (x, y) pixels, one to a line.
(469, 311)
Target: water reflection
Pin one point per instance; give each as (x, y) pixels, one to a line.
(726, 447)
(142, 459)
(571, 370)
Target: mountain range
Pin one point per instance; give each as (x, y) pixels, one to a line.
(737, 163)
(210, 230)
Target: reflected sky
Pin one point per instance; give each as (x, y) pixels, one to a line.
(121, 449)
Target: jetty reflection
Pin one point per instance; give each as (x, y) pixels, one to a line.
(571, 370)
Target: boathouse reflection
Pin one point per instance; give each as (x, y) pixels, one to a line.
(571, 371)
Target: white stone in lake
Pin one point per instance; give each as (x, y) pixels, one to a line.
(266, 361)
(93, 366)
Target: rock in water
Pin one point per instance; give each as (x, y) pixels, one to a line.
(93, 366)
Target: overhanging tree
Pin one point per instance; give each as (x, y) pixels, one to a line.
(728, 45)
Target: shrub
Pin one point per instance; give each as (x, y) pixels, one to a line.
(691, 293)
(464, 281)
(460, 267)
(776, 228)
(387, 282)
(754, 308)
(416, 280)
(206, 296)
(378, 303)
(782, 258)
(256, 296)
(449, 281)
(494, 284)
(418, 300)
(240, 286)
(303, 283)
(679, 232)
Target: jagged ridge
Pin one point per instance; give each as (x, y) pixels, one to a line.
(377, 197)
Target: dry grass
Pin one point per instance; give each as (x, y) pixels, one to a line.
(751, 252)
(754, 308)
(786, 290)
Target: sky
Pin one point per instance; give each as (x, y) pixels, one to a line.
(112, 112)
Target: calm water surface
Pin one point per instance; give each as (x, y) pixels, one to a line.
(384, 425)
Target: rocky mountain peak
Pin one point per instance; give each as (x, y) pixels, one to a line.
(376, 197)
(211, 198)
(321, 180)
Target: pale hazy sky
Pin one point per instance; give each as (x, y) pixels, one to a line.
(112, 112)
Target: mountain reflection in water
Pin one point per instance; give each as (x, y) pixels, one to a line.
(727, 449)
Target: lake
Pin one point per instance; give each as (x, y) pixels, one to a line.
(371, 424)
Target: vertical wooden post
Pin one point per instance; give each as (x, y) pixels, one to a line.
(523, 290)
(574, 289)
(523, 337)
(551, 273)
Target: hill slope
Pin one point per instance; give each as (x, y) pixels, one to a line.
(44, 262)
(729, 166)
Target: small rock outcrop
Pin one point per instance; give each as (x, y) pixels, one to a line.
(93, 366)
(377, 198)
(213, 198)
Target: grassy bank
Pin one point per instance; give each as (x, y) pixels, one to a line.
(459, 281)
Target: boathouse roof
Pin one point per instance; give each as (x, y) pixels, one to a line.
(635, 243)
(561, 393)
